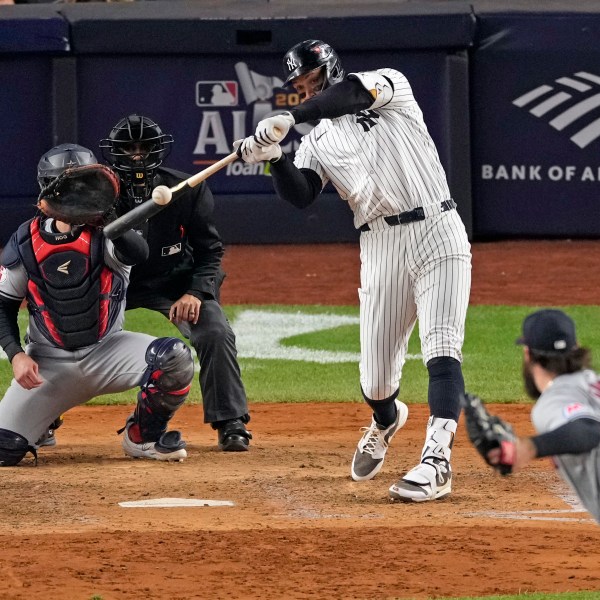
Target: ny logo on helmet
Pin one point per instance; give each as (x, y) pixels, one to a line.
(291, 63)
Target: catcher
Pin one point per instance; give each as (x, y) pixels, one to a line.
(566, 416)
(74, 282)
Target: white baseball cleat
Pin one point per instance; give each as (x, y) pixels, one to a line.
(429, 480)
(170, 447)
(371, 449)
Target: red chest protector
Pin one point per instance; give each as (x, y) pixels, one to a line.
(72, 295)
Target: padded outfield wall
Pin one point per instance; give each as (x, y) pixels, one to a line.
(207, 76)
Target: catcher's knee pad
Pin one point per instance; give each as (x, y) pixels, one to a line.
(165, 386)
(170, 365)
(446, 384)
(13, 447)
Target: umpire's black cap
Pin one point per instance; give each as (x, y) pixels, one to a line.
(549, 331)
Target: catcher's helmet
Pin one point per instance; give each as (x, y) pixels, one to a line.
(54, 162)
(135, 147)
(310, 55)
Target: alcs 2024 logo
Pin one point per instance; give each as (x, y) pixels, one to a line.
(262, 96)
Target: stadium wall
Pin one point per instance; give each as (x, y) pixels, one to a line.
(510, 95)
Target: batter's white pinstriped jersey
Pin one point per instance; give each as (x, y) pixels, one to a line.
(573, 396)
(381, 161)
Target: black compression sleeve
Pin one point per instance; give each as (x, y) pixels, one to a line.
(345, 98)
(131, 248)
(575, 437)
(298, 187)
(9, 329)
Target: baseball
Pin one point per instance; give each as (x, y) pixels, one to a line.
(162, 195)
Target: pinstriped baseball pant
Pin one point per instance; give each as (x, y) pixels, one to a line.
(416, 271)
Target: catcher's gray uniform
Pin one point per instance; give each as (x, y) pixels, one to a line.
(115, 364)
(570, 397)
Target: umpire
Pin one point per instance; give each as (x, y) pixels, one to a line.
(182, 277)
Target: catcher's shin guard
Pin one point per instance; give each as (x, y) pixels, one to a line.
(165, 386)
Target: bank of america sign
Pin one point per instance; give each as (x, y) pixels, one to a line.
(571, 103)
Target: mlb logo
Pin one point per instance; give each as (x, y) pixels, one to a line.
(216, 93)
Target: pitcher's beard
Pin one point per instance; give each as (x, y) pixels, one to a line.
(529, 382)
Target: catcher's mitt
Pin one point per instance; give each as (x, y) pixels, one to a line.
(83, 195)
(488, 432)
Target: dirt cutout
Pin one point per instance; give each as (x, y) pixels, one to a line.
(299, 526)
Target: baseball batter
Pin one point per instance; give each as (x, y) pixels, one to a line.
(566, 415)
(371, 143)
(74, 282)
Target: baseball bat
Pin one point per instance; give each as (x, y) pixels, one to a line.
(138, 215)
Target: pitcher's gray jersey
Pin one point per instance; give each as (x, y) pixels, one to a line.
(383, 162)
(574, 396)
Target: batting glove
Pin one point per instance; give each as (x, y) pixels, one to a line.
(248, 150)
(272, 130)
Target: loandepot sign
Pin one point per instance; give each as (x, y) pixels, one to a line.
(259, 334)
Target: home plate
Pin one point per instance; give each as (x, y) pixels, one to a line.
(174, 503)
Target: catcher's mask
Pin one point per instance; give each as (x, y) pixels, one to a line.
(310, 55)
(60, 158)
(135, 147)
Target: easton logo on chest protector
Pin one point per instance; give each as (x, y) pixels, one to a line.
(64, 268)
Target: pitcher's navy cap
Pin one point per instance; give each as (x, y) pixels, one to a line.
(549, 331)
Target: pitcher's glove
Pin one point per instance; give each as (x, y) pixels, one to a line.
(83, 195)
(492, 437)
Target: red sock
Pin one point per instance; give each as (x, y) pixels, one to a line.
(134, 434)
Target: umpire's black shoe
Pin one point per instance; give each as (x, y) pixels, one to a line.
(233, 435)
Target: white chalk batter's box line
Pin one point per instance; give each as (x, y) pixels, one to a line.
(534, 515)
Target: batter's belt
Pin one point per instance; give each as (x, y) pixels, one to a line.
(416, 214)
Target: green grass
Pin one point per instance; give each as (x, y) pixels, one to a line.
(492, 361)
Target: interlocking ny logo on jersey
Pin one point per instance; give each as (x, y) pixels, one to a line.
(577, 96)
(64, 268)
(367, 118)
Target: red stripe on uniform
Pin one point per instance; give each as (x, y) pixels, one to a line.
(35, 294)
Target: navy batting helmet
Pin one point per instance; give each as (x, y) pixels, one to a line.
(310, 55)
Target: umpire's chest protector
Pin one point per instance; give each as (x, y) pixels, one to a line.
(73, 297)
